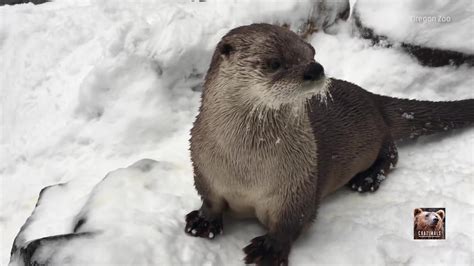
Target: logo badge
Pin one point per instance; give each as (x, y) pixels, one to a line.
(429, 223)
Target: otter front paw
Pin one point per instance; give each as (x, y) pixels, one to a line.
(264, 250)
(197, 225)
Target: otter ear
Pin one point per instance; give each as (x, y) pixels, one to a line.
(418, 211)
(226, 49)
(441, 214)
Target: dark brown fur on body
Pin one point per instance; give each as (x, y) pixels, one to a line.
(410, 119)
(267, 143)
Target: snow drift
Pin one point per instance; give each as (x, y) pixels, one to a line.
(437, 33)
(129, 218)
(435, 24)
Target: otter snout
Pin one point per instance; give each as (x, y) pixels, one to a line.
(313, 71)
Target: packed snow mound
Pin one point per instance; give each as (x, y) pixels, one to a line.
(444, 25)
(130, 218)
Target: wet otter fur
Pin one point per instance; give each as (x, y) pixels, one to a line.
(274, 136)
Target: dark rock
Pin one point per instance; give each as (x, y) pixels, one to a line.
(15, 2)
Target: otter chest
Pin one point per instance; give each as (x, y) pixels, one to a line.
(250, 170)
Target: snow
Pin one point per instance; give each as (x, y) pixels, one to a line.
(422, 22)
(408, 116)
(88, 87)
(147, 226)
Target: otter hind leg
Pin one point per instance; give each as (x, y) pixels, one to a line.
(370, 179)
(267, 250)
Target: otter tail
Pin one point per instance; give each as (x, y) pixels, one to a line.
(413, 118)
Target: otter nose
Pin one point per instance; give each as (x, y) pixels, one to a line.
(313, 71)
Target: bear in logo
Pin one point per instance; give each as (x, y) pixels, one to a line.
(429, 224)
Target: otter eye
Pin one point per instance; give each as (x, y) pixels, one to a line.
(226, 49)
(274, 64)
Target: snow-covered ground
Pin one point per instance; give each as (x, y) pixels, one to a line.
(88, 87)
(422, 22)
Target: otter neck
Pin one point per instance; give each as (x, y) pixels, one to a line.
(233, 116)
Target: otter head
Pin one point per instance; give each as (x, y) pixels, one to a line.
(265, 65)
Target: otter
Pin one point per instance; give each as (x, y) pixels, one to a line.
(274, 136)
